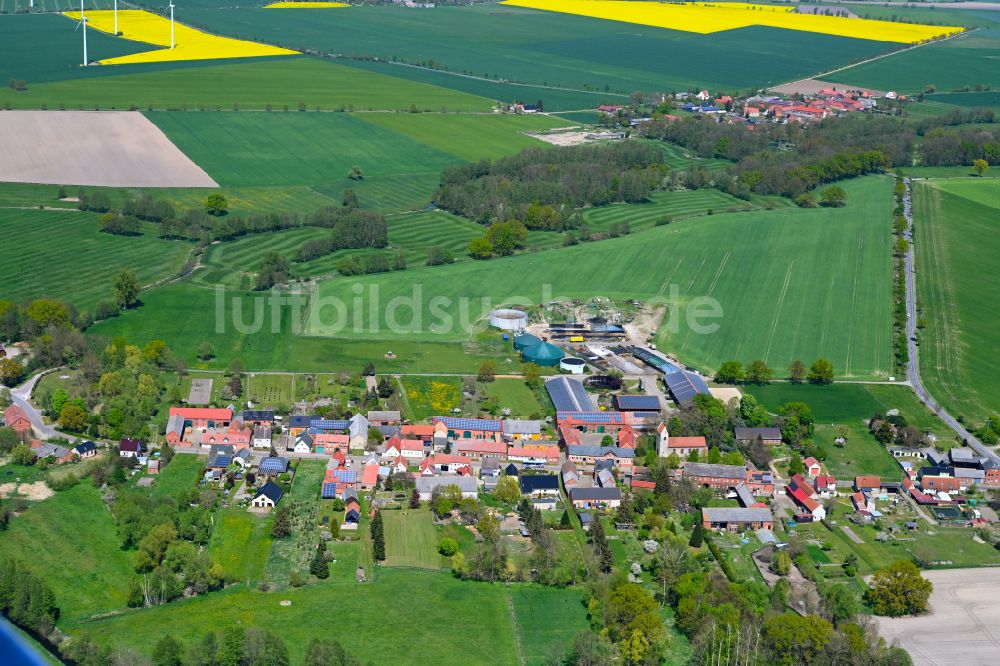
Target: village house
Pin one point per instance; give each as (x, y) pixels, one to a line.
(863, 504)
(589, 455)
(130, 448)
(273, 465)
(258, 417)
(423, 432)
(299, 423)
(328, 442)
(462, 428)
(804, 497)
(480, 448)
(17, 420)
(812, 466)
(570, 475)
(734, 519)
(522, 431)
(539, 485)
(725, 477)
(261, 437)
(595, 498)
(357, 429)
(58, 453)
(369, 478)
(938, 480)
(536, 456)
(444, 464)
(682, 446)
(267, 497)
(303, 443)
(85, 450)
(243, 458)
(489, 468)
(825, 486)
(186, 424)
(411, 449)
(867, 483)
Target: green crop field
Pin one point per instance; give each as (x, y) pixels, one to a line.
(850, 405)
(241, 542)
(70, 542)
(966, 60)
(464, 608)
(317, 149)
(415, 233)
(527, 46)
(182, 473)
(673, 205)
(61, 254)
(410, 539)
(280, 82)
(764, 278)
(956, 251)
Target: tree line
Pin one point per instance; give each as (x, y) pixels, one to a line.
(541, 188)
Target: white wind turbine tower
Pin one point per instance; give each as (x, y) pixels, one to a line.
(171, 23)
(116, 18)
(83, 22)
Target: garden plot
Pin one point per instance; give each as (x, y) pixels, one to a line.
(114, 149)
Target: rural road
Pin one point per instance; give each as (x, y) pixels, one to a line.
(22, 398)
(913, 365)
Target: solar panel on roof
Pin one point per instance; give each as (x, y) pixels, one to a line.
(329, 490)
(327, 424)
(471, 424)
(346, 475)
(222, 461)
(637, 402)
(568, 395)
(273, 465)
(684, 386)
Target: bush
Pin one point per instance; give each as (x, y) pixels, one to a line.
(447, 546)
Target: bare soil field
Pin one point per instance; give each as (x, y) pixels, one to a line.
(963, 627)
(36, 491)
(100, 148)
(811, 87)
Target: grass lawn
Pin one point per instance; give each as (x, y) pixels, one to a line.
(546, 622)
(183, 473)
(219, 381)
(956, 248)
(271, 390)
(241, 543)
(61, 254)
(424, 397)
(514, 395)
(762, 280)
(70, 542)
(675, 205)
(445, 605)
(252, 85)
(410, 539)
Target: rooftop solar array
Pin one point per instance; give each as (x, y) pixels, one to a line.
(273, 465)
(327, 424)
(329, 491)
(638, 402)
(469, 424)
(258, 415)
(346, 475)
(221, 461)
(593, 417)
(684, 386)
(568, 395)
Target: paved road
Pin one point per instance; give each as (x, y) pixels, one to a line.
(913, 366)
(22, 398)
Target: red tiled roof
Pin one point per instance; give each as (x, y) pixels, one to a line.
(481, 446)
(14, 413)
(550, 452)
(646, 485)
(370, 475)
(803, 500)
(198, 413)
(687, 442)
(418, 430)
(867, 482)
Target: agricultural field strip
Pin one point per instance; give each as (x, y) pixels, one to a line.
(706, 18)
(188, 43)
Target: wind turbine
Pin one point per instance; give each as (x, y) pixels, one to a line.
(83, 22)
(171, 23)
(116, 18)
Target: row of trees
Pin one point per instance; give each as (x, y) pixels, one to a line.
(351, 229)
(541, 188)
(758, 372)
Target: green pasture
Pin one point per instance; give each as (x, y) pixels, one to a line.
(764, 278)
(546, 622)
(271, 390)
(674, 205)
(956, 251)
(182, 473)
(424, 397)
(70, 542)
(62, 254)
(241, 542)
(513, 394)
(410, 539)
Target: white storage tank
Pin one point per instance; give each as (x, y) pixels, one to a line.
(572, 365)
(509, 320)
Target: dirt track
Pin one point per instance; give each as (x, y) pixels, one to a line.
(109, 148)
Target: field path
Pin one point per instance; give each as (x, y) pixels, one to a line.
(517, 629)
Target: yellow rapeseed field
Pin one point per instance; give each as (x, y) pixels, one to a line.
(304, 4)
(190, 44)
(706, 18)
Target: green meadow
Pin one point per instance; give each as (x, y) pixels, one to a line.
(69, 541)
(774, 304)
(410, 540)
(241, 543)
(468, 609)
(956, 249)
(62, 254)
(247, 85)
(260, 149)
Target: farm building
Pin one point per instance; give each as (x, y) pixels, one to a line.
(477, 448)
(589, 455)
(726, 477)
(17, 420)
(468, 485)
(767, 435)
(460, 428)
(637, 403)
(682, 446)
(257, 416)
(384, 418)
(733, 519)
(544, 354)
(522, 430)
(267, 497)
(568, 395)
